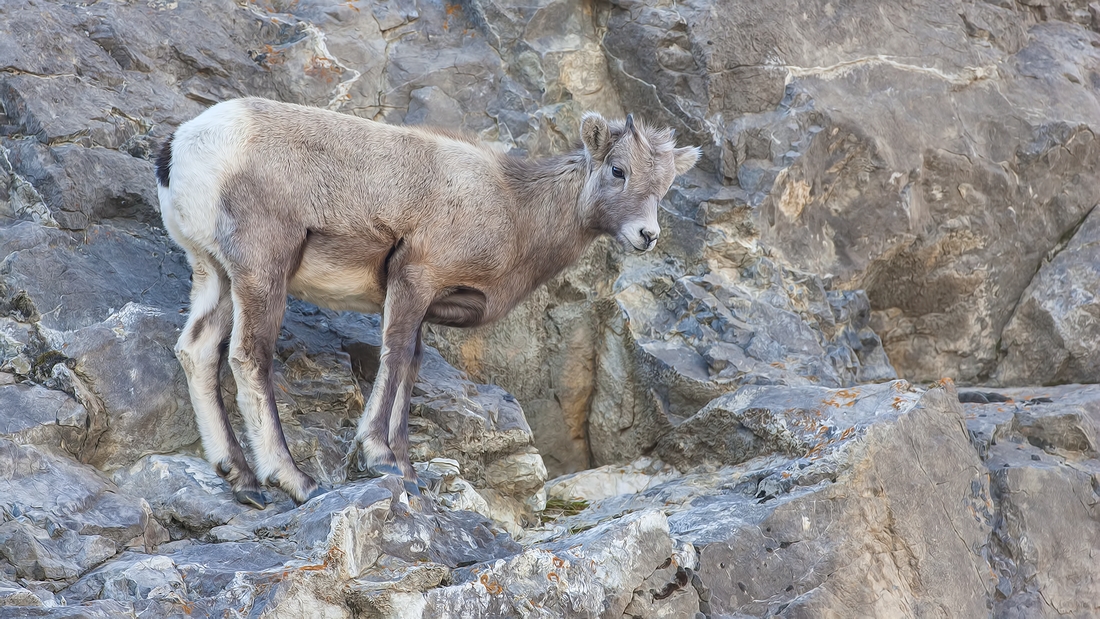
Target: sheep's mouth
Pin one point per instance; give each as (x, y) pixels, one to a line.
(629, 244)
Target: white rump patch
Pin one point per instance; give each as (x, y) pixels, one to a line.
(205, 152)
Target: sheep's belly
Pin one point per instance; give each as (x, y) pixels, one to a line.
(355, 289)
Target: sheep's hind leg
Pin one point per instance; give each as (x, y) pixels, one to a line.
(201, 352)
(402, 317)
(258, 304)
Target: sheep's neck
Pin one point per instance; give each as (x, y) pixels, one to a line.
(548, 206)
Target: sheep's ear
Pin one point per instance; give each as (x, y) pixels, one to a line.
(596, 135)
(685, 158)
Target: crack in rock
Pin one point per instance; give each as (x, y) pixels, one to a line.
(967, 76)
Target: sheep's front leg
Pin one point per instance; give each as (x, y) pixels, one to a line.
(382, 443)
(259, 301)
(399, 416)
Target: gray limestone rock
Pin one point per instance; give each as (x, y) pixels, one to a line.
(54, 490)
(815, 124)
(1043, 529)
(592, 575)
(97, 609)
(127, 361)
(183, 492)
(34, 415)
(674, 344)
(295, 559)
(756, 421)
(668, 592)
(85, 186)
(1040, 448)
(882, 488)
(12, 594)
(59, 518)
(1051, 336)
(68, 281)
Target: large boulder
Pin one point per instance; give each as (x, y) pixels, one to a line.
(61, 518)
(1053, 334)
(674, 342)
(867, 501)
(138, 386)
(1041, 449)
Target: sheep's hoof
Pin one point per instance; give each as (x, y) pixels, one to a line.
(367, 468)
(380, 470)
(253, 498)
(412, 488)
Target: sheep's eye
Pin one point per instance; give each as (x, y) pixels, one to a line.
(617, 172)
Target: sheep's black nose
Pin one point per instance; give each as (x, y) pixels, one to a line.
(650, 236)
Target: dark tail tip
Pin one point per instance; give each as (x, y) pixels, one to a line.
(164, 161)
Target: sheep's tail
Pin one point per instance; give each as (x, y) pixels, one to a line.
(164, 162)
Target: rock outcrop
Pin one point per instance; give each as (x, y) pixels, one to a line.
(758, 419)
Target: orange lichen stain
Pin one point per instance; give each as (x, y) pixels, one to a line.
(846, 433)
(351, 5)
(331, 558)
(450, 10)
(847, 393)
(815, 449)
(898, 403)
(558, 562)
(786, 474)
(322, 68)
(552, 577)
(270, 56)
(492, 586)
(320, 567)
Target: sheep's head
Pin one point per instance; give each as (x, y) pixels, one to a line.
(632, 167)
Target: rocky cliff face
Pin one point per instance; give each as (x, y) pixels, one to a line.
(749, 422)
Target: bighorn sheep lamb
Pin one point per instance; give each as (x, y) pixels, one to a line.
(269, 198)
